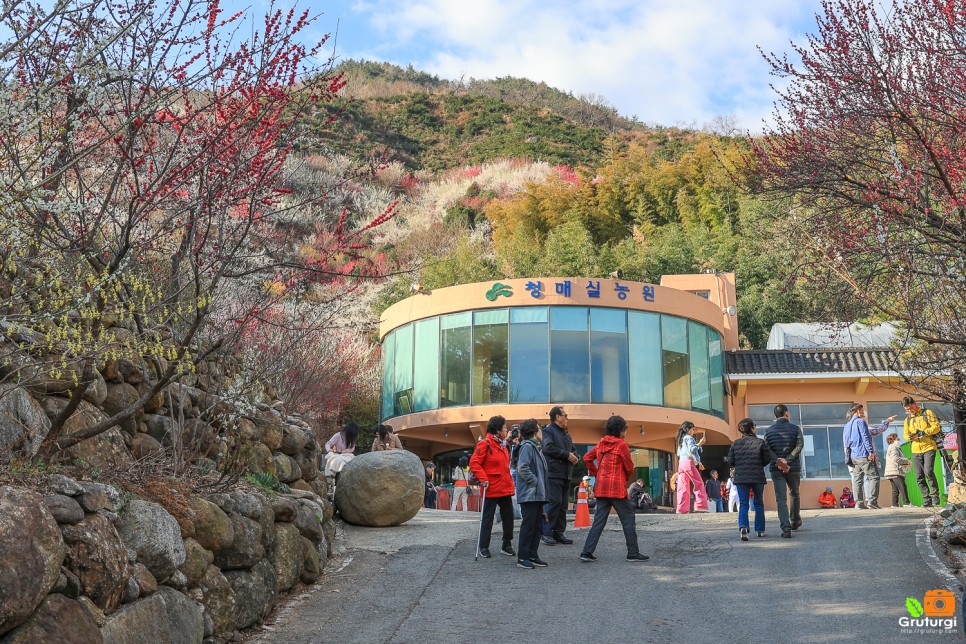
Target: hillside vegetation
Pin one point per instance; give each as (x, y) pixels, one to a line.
(510, 178)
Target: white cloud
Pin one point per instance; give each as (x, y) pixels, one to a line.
(666, 62)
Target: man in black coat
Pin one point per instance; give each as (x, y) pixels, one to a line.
(786, 441)
(558, 448)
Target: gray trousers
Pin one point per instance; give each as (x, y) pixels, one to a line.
(625, 512)
(787, 483)
(865, 472)
(922, 465)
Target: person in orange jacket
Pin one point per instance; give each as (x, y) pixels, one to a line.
(490, 465)
(610, 461)
(827, 498)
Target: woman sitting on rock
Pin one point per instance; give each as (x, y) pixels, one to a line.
(340, 449)
(385, 440)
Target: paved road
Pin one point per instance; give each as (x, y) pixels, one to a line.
(843, 578)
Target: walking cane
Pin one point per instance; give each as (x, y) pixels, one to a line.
(479, 533)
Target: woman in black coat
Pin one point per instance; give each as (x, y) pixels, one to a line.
(748, 456)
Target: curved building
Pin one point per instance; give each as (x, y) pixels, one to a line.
(656, 355)
(454, 357)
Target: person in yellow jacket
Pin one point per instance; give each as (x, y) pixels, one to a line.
(920, 428)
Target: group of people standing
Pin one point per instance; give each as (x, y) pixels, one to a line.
(536, 466)
(921, 430)
(542, 463)
(780, 450)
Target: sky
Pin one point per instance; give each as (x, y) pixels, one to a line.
(666, 62)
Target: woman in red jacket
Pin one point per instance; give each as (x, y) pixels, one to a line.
(490, 465)
(613, 469)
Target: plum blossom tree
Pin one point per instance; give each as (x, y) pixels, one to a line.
(144, 149)
(866, 156)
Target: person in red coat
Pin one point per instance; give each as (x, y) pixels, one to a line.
(490, 465)
(613, 468)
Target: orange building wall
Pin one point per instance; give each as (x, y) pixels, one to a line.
(790, 390)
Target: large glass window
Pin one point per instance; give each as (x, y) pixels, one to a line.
(644, 340)
(402, 398)
(569, 354)
(698, 365)
(554, 354)
(716, 365)
(529, 355)
(490, 357)
(388, 373)
(826, 414)
(837, 454)
(426, 365)
(674, 344)
(608, 355)
(816, 453)
(455, 368)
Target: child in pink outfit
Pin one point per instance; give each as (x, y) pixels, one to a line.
(689, 476)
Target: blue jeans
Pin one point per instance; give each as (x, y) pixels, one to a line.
(719, 504)
(759, 490)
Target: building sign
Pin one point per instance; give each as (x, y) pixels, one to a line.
(592, 289)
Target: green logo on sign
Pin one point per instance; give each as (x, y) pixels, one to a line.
(498, 290)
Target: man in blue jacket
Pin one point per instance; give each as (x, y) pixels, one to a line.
(860, 454)
(558, 448)
(786, 441)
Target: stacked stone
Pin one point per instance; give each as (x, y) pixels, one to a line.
(93, 565)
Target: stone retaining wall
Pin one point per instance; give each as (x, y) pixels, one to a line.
(89, 563)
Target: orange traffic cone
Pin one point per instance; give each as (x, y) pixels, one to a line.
(582, 515)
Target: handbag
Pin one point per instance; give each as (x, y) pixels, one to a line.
(905, 467)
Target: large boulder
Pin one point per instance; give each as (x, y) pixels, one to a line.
(294, 440)
(59, 619)
(286, 556)
(31, 552)
(213, 529)
(154, 535)
(255, 593)
(106, 450)
(160, 428)
(308, 520)
(245, 549)
(120, 396)
(286, 468)
(308, 464)
(64, 509)
(381, 488)
(23, 423)
(96, 555)
(218, 599)
(312, 562)
(196, 562)
(167, 617)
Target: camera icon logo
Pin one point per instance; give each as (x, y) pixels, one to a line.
(939, 603)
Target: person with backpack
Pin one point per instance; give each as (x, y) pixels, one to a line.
(610, 461)
(748, 456)
(896, 467)
(921, 428)
(531, 485)
(490, 465)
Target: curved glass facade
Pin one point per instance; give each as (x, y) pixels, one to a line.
(565, 354)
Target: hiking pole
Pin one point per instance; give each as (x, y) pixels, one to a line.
(479, 533)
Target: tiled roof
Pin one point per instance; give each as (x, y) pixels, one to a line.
(810, 361)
